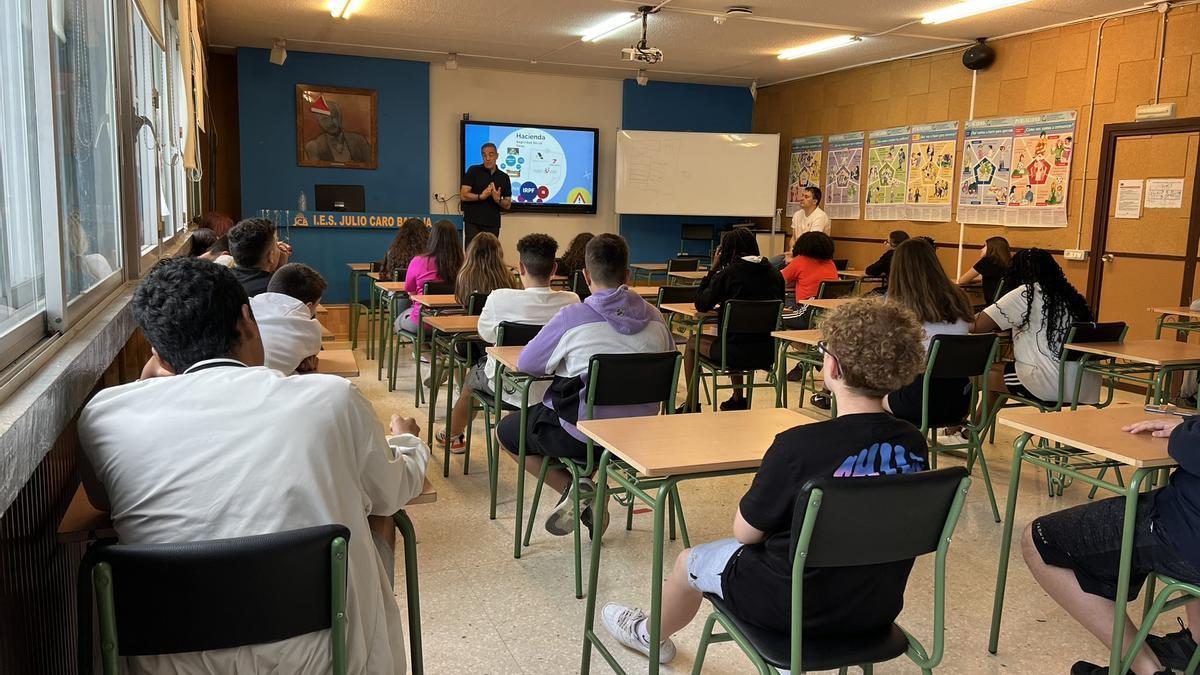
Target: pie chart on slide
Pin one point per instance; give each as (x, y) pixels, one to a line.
(545, 163)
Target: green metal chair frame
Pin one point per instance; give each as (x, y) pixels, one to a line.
(707, 367)
(974, 422)
(926, 660)
(1155, 605)
(454, 363)
(595, 372)
(417, 340)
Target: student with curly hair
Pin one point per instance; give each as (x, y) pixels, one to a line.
(572, 260)
(812, 263)
(409, 242)
(870, 348)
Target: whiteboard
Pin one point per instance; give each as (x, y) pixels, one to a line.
(696, 174)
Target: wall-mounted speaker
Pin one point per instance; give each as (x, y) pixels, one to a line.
(979, 55)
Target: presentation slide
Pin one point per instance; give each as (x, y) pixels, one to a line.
(552, 169)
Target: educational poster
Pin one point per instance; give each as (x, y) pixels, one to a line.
(843, 176)
(983, 180)
(931, 171)
(1040, 161)
(804, 169)
(887, 174)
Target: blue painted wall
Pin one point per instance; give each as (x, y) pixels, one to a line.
(673, 106)
(271, 179)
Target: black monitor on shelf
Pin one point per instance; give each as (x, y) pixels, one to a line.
(351, 198)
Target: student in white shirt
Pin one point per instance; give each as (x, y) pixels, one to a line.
(287, 318)
(252, 452)
(535, 304)
(1039, 310)
(810, 217)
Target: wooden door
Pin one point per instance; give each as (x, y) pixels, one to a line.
(1149, 260)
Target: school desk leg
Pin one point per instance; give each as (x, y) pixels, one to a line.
(589, 614)
(413, 591)
(1122, 599)
(656, 571)
(1010, 510)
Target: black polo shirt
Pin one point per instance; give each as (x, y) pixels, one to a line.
(254, 280)
(484, 212)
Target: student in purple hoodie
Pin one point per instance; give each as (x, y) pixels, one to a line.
(613, 320)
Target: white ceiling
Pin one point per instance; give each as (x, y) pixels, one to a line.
(543, 35)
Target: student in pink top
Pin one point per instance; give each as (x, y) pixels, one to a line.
(442, 259)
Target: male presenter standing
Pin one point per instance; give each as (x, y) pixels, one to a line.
(486, 192)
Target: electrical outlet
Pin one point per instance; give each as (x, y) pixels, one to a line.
(1075, 254)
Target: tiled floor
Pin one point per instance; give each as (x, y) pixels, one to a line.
(485, 612)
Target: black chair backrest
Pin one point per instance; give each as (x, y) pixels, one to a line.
(874, 520)
(696, 232)
(475, 303)
(841, 263)
(509, 334)
(829, 290)
(961, 355)
(682, 294)
(579, 285)
(741, 317)
(193, 596)
(376, 266)
(398, 275)
(437, 288)
(683, 264)
(633, 379)
(1112, 331)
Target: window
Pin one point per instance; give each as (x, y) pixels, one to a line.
(81, 57)
(147, 87)
(173, 140)
(22, 288)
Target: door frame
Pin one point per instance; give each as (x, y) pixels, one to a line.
(1108, 147)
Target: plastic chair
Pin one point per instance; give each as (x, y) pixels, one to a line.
(957, 357)
(742, 319)
(217, 594)
(843, 522)
(609, 380)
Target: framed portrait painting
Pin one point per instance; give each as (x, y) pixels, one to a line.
(336, 127)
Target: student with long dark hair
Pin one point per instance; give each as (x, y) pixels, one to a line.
(994, 259)
(441, 262)
(410, 241)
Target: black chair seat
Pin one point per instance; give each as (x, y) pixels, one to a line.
(819, 653)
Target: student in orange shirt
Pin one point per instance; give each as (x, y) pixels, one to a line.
(812, 263)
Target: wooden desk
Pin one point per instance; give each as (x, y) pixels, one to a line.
(1186, 319)
(1096, 431)
(374, 276)
(808, 337)
(852, 274)
(665, 450)
(685, 309)
(436, 301)
(1163, 358)
(648, 292)
(359, 267)
(340, 362)
(326, 334)
(452, 323)
(693, 277)
(390, 286)
(649, 269)
(830, 303)
(506, 356)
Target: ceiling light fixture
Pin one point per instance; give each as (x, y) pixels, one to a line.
(818, 47)
(968, 8)
(343, 9)
(605, 28)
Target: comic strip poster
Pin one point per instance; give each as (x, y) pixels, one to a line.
(843, 176)
(931, 171)
(887, 174)
(804, 170)
(1029, 188)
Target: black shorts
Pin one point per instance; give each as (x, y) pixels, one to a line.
(949, 401)
(1014, 386)
(1087, 540)
(544, 435)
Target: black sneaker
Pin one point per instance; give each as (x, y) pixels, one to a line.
(736, 403)
(796, 374)
(1085, 668)
(587, 517)
(822, 401)
(684, 409)
(1174, 650)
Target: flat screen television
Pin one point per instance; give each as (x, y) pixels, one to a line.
(552, 168)
(350, 198)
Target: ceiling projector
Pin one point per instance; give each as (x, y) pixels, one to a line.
(642, 54)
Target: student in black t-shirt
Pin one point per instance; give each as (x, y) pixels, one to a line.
(882, 268)
(991, 267)
(738, 273)
(870, 348)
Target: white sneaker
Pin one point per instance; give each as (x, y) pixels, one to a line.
(960, 437)
(561, 520)
(623, 623)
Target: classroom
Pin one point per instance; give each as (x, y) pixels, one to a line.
(599, 337)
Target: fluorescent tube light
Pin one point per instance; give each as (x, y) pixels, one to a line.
(967, 8)
(611, 25)
(818, 47)
(343, 9)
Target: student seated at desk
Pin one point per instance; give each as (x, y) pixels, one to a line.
(738, 273)
(257, 252)
(993, 263)
(613, 320)
(410, 241)
(442, 259)
(225, 466)
(1039, 309)
(287, 318)
(572, 260)
(882, 268)
(870, 348)
(812, 263)
(919, 283)
(1074, 554)
(536, 303)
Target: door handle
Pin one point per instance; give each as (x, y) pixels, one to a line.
(1107, 257)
